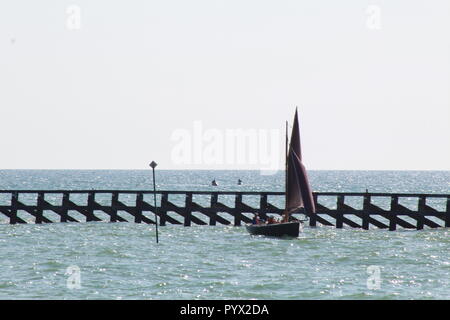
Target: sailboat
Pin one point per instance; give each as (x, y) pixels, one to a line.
(298, 192)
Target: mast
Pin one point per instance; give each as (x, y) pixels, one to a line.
(286, 174)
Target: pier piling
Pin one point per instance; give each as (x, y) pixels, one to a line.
(335, 213)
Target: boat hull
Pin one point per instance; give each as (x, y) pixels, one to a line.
(288, 229)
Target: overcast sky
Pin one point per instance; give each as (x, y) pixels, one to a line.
(114, 85)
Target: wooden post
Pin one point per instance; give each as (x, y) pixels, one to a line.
(212, 219)
(263, 203)
(163, 209)
(421, 211)
(393, 213)
(90, 207)
(237, 209)
(188, 209)
(39, 206)
(366, 212)
(14, 204)
(139, 205)
(263, 206)
(65, 207)
(312, 217)
(339, 213)
(114, 205)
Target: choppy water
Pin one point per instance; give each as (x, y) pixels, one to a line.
(122, 260)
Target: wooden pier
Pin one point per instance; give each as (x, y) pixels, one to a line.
(355, 210)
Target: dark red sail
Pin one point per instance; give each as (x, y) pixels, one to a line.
(298, 190)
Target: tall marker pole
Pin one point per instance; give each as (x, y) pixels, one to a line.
(153, 164)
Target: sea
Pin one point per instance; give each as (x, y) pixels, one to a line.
(102, 260)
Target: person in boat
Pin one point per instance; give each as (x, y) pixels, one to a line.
(270, 220)
(214, 183)
(285, 217)
(256, 219)
(261, 219)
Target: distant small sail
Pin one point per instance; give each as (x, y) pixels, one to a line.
(214, 183)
